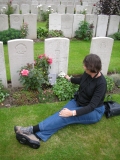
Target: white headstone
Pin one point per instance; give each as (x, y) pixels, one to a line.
(61, 9)
(92, 19)
(64, 3)
(84, 3)
(67, 25)
(25, 8)
(3, 22)
(102, 25)
(70, 9)
(34, 2)
(15, 2)
(94, 10)
(31, 20)
(34, 9)
(77, 19)
(88, 9)
(16, 8)
(79, 9)
(58, 50)
(102, 46)
(20, 53)
(53, 8)
(54, 21)
(2, 67)
(16, 21)
(113, 24)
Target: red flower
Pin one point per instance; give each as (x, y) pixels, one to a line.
(50, 60)
(24, 72)
(41, 56)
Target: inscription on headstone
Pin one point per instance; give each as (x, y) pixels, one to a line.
(58, 50)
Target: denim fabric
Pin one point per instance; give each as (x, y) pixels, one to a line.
(53, 123)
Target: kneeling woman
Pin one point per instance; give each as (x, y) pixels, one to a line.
(86, 108)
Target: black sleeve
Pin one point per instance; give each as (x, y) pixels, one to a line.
(96, 98)
(75, 80)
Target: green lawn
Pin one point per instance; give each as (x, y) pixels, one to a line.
(77, 142)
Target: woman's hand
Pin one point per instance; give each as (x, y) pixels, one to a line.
(67, 77)
(65, 113)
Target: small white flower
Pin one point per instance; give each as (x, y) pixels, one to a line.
(86, 9)
(49, 6)
(61, 74)
(4, 7)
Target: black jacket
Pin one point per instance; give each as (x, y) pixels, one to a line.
(92, 94)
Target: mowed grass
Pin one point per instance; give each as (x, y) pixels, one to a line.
(98, 141)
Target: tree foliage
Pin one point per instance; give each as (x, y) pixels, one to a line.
(108, 7)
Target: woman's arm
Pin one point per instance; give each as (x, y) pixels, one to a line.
(96, 100)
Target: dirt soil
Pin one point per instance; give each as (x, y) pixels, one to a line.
(18, 97)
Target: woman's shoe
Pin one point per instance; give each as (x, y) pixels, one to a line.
(30, 140)
(24, 130)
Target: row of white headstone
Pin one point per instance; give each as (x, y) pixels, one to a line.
(67, 23)
(104, 25)
(21, 52)
(16, 21)
(48, 1)
(62, 9)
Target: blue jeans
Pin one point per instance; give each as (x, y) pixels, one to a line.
(53, 123)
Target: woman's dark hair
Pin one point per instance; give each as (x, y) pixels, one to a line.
(93, 63)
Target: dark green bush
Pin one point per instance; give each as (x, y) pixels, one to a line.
(9, 34)
(55, 33)
(45, 15)
(85, 31)
(63, 89)
(42, 33)
(110, 83)
(115, 36)
(3, 92)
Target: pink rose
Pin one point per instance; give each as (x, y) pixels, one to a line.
(24, 72)
(40, 56)
(50, 60)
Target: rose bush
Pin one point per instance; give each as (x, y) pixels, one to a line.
(34, 76)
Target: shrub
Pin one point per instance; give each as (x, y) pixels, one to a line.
(45, 15)
(55, 33)
(9, 35)
(10, 9)
(42, 33)
(34, 76)
(110, 83)
(63, 89)
(85, 31)
(115, 36)
(42, 63)
(24, 30)
(3, 92)
(111, 7)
